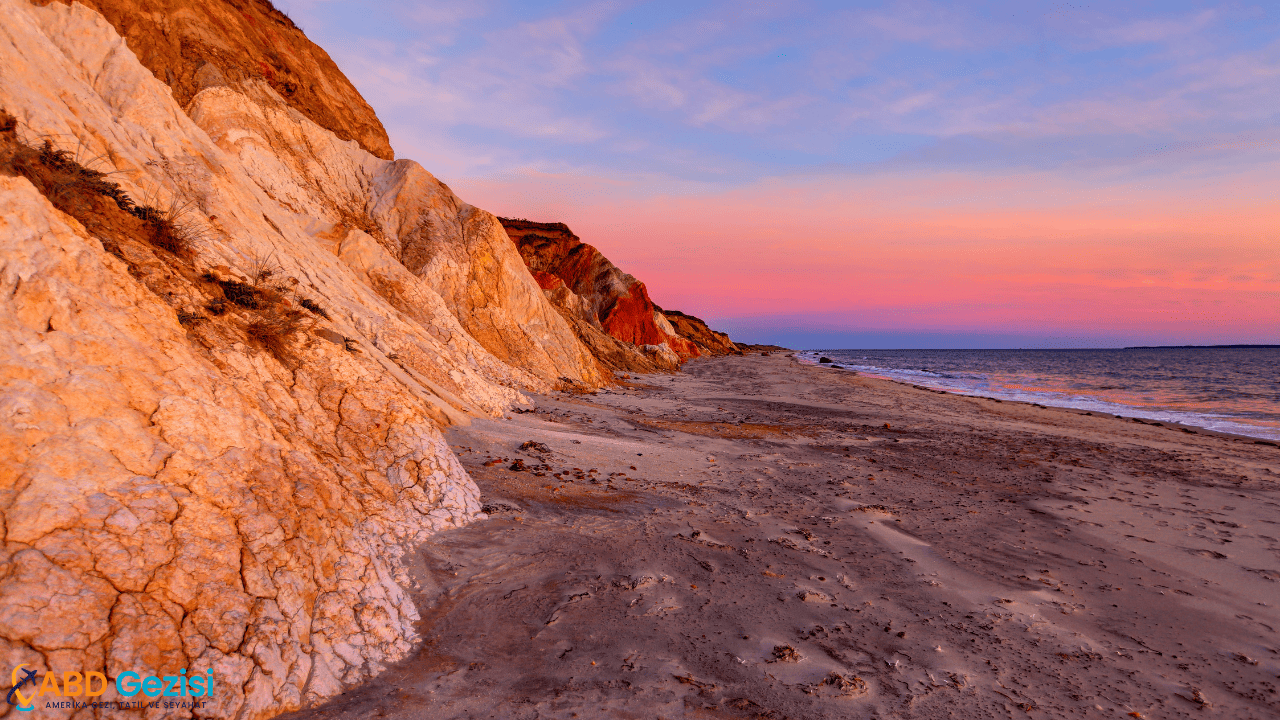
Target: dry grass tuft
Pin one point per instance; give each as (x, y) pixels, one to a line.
(241, 294)
(170, 228)
(313, 307)
(68, 182)
(274, 331)
(262, 268)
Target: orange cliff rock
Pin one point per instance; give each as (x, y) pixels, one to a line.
(600, 299)
(191, 44)
(230, 345)
(618, 301)
(709, 342)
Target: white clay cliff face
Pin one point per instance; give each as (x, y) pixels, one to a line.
(168, 504)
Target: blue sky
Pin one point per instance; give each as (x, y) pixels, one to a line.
(611, 116)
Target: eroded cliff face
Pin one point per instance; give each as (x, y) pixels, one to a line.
(426, 252)
(710, 342)
(613, 353)
(598, 296)
(212, 456)
(610, 309)
(185, 44)
(169, 505)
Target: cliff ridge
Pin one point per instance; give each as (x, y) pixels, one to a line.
(608, 306)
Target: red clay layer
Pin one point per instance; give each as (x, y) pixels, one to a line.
(620, 303)
(615, 301)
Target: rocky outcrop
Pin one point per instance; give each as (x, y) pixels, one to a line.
(710, 342)
(428, 254)
(610, 310)
(612, 353)
(600, 299)
(618, 302)
(186, 44)
(226, 359)
(169, 505)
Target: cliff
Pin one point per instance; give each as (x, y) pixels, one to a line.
(710, 342)
(233, 329)
(610, 309)
(185, 44)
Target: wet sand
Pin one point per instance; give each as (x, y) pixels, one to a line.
(756, 538)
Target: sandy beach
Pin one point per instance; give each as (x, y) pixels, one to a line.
(757, 538)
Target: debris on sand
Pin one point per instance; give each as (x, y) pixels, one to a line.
(1196, 697)
(838, 685)
(785, 653)
(688, 679)
(535, 446)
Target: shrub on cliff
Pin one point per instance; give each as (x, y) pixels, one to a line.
(8, 123)
(274, 331)
(314, 307)
(71, 186)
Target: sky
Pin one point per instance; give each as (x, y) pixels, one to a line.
(864, 174)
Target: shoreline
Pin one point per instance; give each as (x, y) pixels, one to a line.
(1171, 424)
(1150, 421)
(755, 537)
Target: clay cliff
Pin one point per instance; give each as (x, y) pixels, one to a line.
(185, 44)
(709, 342)
(610, 309)
(233, 328)
(232, 331)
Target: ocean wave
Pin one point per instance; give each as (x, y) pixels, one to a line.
(981, 385)
(846, 365)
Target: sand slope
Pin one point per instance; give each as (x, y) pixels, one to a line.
(756, 538)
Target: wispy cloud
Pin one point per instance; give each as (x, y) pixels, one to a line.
(1157, 30)
(937, 25)
(799, 85)
(925, 151)
(701, 101)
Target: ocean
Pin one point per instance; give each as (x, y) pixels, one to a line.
(1233, 390)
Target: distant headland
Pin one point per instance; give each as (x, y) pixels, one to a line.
(1201, 347)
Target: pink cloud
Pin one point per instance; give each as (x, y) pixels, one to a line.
(942, 251)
